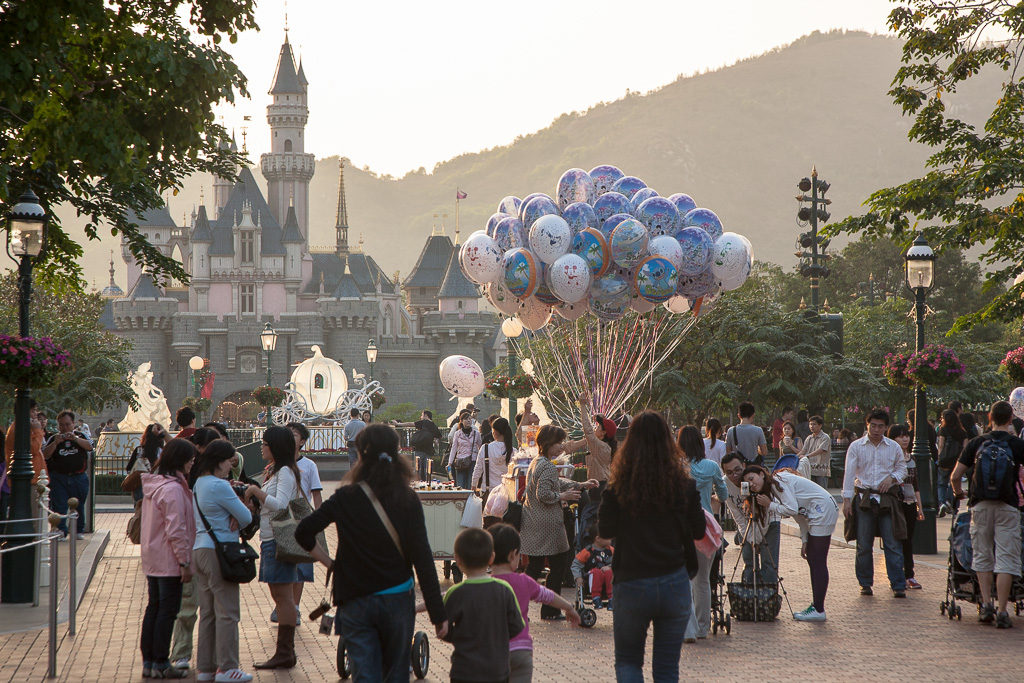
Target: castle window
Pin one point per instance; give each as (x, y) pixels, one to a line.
(247, 298)
(318, 381)
(248, 243)
(287, 145)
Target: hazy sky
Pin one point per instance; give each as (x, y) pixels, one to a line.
(395, 85)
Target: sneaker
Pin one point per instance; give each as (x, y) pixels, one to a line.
(942, 511)
(690, 639)
(206, 675)
(898, 593)
(1003, 620)
(180, 663)
(147, 669)
(169, 672)
(597, 602)
(866, 590)
(608, 605)
(232, 676)
(80, 537)
(986, 613)
(273, 616)
(913, 583)
(810, 614)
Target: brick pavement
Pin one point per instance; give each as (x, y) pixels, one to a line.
(880, 637)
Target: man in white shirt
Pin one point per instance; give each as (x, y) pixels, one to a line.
(874, 465)
(764, 534)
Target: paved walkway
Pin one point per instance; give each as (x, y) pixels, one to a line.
(879, 637)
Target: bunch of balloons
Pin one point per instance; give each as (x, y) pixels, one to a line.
(604, 243)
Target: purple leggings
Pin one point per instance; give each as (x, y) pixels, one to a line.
(817, 559)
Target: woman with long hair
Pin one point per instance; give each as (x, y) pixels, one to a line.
(492, 458)
(167, 534)
(543, 533)
(790, 443)
(216, 502)
(374, 586)
(466, 442)
(714, 447)
(144, 456)
(950, 442)
(652, 508)
(815, 512)
(707, 474)
(912, 511)
(280, 486)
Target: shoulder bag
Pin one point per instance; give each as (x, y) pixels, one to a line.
(382, 515)
(283, 524)
(134, 530)
(237, 559)
(463, 464)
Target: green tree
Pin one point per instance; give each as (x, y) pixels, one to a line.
(105, 105)
(98, 377)
(971, 193)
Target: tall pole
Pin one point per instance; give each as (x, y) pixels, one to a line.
(270, 379)
(19, 566)
(924, 534)
(814, 238)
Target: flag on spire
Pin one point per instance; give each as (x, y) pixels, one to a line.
(459, 194)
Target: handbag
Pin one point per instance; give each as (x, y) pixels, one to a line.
(463, 464)
(712, 540)
(748, 603)
(132, 481)
(514, 514)
(283, 524)
(134, 530)
(237, 559)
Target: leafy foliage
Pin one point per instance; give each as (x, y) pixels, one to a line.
(971, 192)
(268, 396)
(105, 105)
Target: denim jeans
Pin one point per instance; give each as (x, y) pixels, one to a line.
(945, 490)
(158, 621)
(588, 516)
(663, 600)
(870, 524)
(65, 486)
(768, 557)
(377, 630)
(462, 478)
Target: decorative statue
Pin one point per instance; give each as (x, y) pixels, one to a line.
(152, 403)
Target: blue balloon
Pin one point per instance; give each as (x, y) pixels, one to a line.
(611, 203)
(629, 243)
(656, 279)
(706, 219)
(695, 286)
(526, 200)
(535, 208)
(510, 205)
(580, 216)
(641, 195)
(628, 186)
(697, 245)
(683, 202)
(509, 233)
(492, 221)
(612, 222)
(592, 247)
(575, 185)
(659, 215)
(604, 177)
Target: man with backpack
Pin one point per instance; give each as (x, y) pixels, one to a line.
(995, 519)
(746, 437)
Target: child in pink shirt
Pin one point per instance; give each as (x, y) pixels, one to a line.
(506, 557)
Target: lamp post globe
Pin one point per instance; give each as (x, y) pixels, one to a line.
(195, 364)
(920, 271)
(26, 223)
(371, 356)
(511, 328)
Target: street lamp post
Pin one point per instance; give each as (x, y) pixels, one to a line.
(371, 356)
(26, 235)
(195, 363)
(268, 340)
(920, 276)
(512, 328)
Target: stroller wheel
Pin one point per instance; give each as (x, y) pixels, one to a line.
(728, 624)
(959, 613)
(420, 655)
(343, 668)
(942, 608)
(714, 628)
(588, 618)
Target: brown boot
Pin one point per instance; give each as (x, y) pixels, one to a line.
(284, 657)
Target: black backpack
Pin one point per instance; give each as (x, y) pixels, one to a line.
(995, 473)
(950, 453)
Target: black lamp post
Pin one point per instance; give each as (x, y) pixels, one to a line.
(26, 235)
(195, 364)
(268, 340)
(920, 276)
(371, 356)
(811, 245)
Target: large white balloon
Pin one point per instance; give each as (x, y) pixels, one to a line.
(502, 299)
(462, 376)
(1017, 401)
(534, 314)
(729, 258)
(550, 238)
(570, 278)
(481, 258)
(667, 247)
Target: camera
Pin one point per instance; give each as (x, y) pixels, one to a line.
(239, 490)
(744, 489)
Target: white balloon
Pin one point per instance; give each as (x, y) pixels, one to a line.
(550, 238)
(1017, 401)
(462, 376)
(677, 304)
(481, 258)
(534, 314)
(571, 311)
(729, 258)
(570, 278)
(668, 247)
(502, 299)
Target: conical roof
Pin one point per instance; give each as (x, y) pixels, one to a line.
(291, 228)
(286, 80)
(432, 263)
(455, 284)
(201, 232)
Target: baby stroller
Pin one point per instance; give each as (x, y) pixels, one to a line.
(720, 619)
(420, 657)
(961, 581)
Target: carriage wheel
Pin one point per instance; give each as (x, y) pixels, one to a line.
(343, 666)
(420, 655)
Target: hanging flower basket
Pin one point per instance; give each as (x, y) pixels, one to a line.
(895, 370)
(268, 396)
(1013, 365)
(200, 405)
(378, 399)
(502, 385)
(31, 361)
(934, 365)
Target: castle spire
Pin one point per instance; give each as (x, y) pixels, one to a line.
(341, 222)
(112, 269)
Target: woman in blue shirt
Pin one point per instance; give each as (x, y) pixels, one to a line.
(708, 475)
(218, 599)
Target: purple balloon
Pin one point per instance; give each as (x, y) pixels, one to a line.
(509, 233)
(697, 245)
(611, 203)
(510, 205)
(527, 199)
(612, 222)
(580, 216)
(659, 215)
(706, 219)
(683, 202)
(535, 208)
(493, 220)
(640, 196)
(604, 176)
(575, 185)
(628, 186)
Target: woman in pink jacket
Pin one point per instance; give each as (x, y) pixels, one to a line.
(168, 532)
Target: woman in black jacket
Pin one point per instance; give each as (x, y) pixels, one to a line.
(652, 509)
(373, 583)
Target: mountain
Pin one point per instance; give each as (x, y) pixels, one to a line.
(737, 139)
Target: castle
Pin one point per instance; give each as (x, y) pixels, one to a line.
(251, 262)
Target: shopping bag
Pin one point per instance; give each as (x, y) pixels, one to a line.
(712, 540)
(473, 514)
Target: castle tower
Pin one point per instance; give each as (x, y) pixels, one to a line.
(222, 186)
(341, 222)
(287, 167)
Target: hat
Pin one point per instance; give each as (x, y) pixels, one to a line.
(609, 428)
